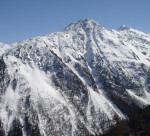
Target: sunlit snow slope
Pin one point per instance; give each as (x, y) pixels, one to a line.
(73, 83)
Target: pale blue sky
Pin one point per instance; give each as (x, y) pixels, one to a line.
(23, 19)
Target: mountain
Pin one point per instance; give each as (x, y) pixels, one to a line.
(73, 83)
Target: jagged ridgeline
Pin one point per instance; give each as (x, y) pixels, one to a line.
(75, 82)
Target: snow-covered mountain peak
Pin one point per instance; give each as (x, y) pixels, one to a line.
(79, 78)
(4, 48)
(1, 44)
(88, 21)
(124, 27)
(131, 31)
(83, 23)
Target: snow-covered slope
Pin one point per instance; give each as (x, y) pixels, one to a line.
(73, 82)
(4, 48)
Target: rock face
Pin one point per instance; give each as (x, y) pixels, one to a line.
(73, 83)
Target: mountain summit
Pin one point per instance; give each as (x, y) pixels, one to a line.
(73, 83)
(123, 27)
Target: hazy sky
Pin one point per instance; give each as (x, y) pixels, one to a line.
(22, 19)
